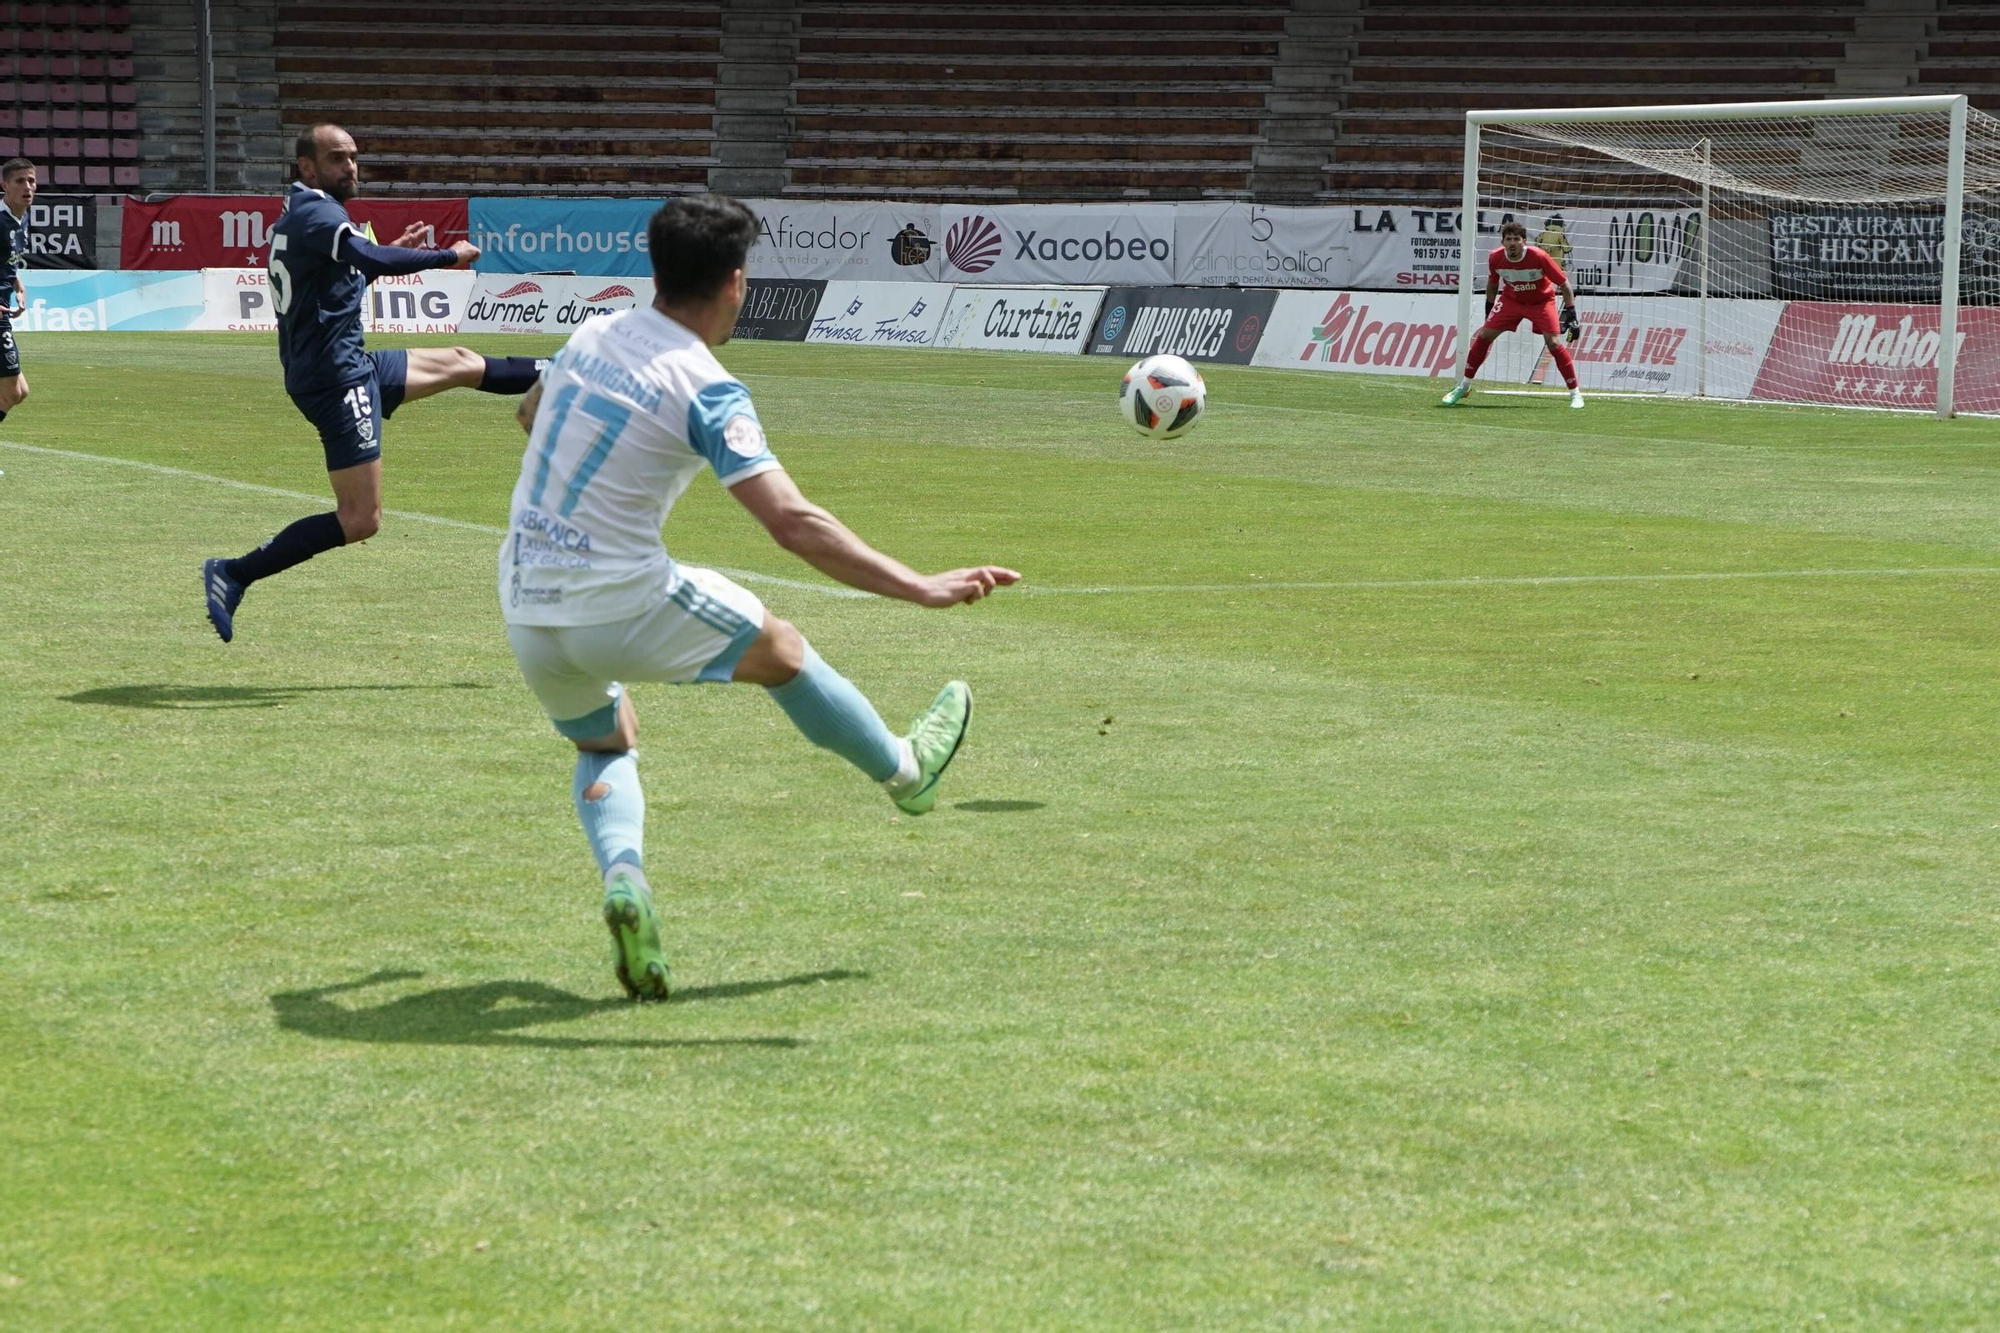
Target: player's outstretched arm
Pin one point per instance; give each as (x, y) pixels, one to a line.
(828, 545)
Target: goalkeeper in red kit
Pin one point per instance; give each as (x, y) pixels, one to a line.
(1521, 283)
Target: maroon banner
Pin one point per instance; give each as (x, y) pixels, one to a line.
(210, 231)
(1879, 356)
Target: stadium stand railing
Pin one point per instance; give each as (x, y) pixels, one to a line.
(1117, 99)
(601, 97)
(1419, 67)
(67, 96)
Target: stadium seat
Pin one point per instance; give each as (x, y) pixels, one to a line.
(35, 118)
(9, 145)
(521, 97)
(125, 177)
(97, 175)
(1419, 65)
(62, 173)
(1031, 100)
(125, 150)
(99, 149)
(95, 93)
(64, 118)
(94, 119)
(57, 16)
(63, 147)
(35, 146)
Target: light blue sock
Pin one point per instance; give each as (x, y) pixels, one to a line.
(832, 714)
(615, 824)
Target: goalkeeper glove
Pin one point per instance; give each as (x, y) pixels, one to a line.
(1572, 327)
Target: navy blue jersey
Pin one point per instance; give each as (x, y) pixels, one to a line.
(318, 295)
(13, 253)
(320, 269)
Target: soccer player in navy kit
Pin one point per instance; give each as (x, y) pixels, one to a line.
(18, 176)
(320, 268)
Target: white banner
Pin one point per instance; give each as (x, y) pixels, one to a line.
(236, 298)
(1601, 249)
(807, 238)
(880, 314)
(546, 303)
(1384, 333)
(1020, 319)
(1254, 245)
(429, 302)
(1075, 244)
(1648, 345)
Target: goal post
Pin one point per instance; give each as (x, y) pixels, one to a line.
(1836, 251)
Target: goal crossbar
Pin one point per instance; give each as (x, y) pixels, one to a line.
(1950, 190)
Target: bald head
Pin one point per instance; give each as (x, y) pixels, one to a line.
(325, 158)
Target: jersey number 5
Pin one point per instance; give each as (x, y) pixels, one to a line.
(281, 277)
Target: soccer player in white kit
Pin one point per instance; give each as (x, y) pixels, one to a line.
(625, 416)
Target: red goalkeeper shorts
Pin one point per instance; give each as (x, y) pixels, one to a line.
(1507, 316)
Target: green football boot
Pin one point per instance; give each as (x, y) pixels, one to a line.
(1457, 393)
(635, 933)
(935, 737)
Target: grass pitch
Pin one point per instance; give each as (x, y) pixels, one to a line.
(1497, 868)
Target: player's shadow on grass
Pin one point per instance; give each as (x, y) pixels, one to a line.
(228, 696)
(997, 807)
(489, 1013)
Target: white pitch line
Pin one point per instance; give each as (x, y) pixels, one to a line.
(1105, 590)
(161, 469)
(1509, 580)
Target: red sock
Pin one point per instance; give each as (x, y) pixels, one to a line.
(1477, 356)
(1564, 364)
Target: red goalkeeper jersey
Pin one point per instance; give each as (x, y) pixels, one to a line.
(1530, 280)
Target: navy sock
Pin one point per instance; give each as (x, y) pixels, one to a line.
(3, 416)
(510, 374)
(294, 546)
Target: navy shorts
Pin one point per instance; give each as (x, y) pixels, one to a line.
(10, 351)
(350, 417)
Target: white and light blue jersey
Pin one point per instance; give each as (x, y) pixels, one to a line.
(632, 408)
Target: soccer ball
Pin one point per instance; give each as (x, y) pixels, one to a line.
(1162, 397)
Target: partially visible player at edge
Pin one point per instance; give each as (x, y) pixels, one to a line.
(625, 417)
(1521, 283)
(320, 268)
(17, 174)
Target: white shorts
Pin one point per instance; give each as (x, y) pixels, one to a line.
(698, 634)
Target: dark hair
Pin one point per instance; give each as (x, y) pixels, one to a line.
(307, 144)
(697, 241)
(1512, 228)
(13, 167)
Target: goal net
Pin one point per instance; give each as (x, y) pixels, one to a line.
(1842, 252)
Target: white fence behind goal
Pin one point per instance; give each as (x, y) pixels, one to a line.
(1840, 252)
